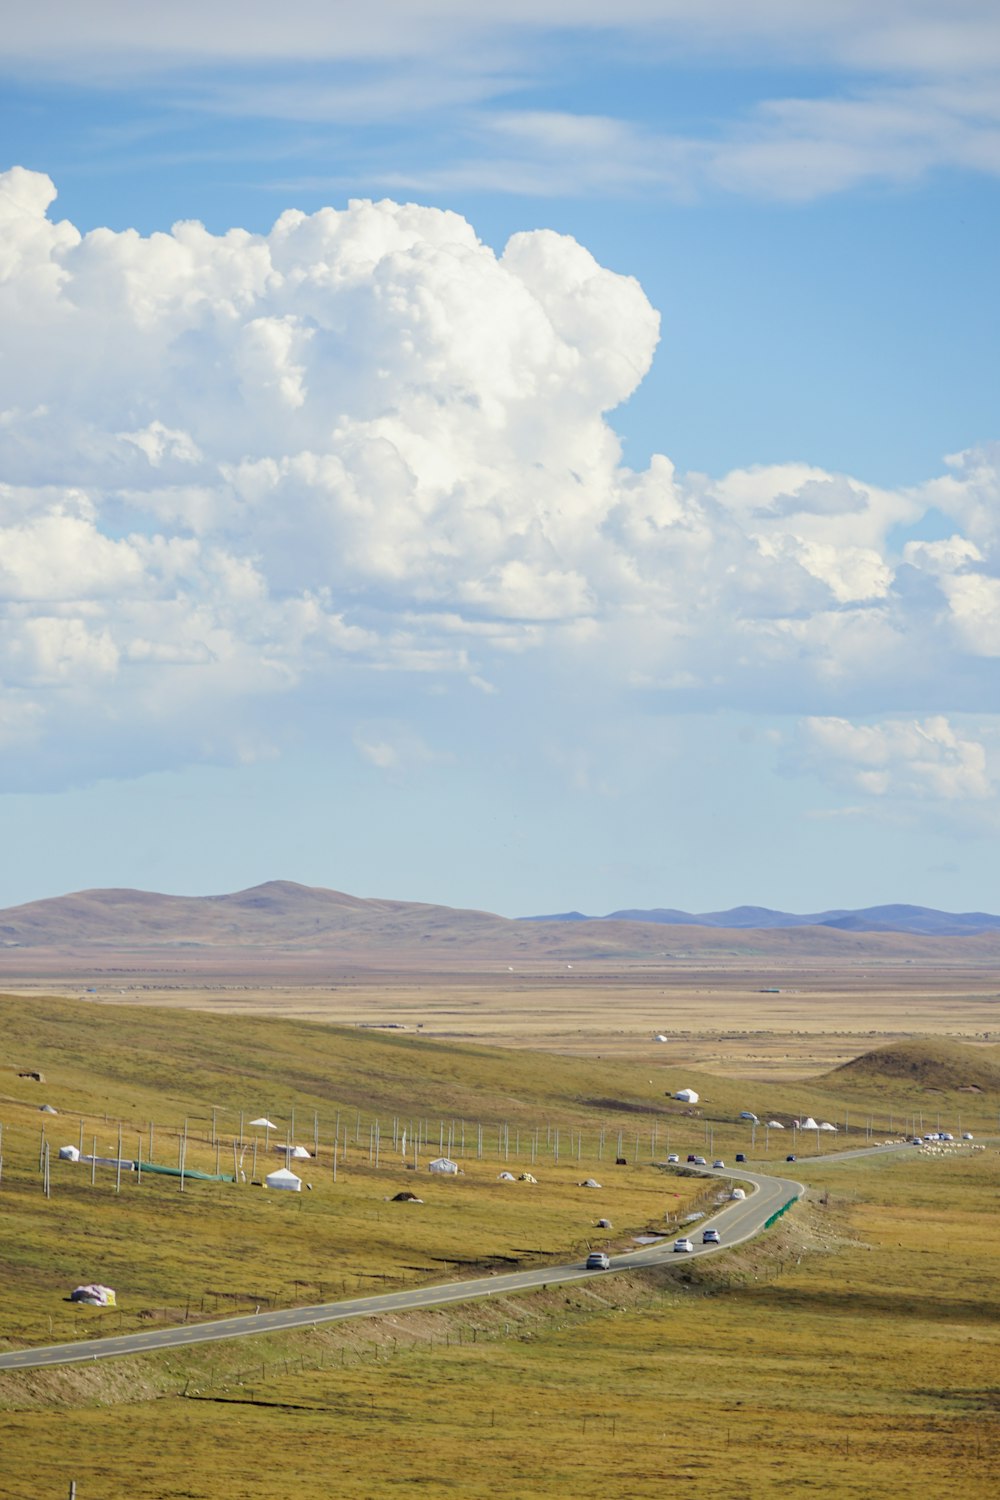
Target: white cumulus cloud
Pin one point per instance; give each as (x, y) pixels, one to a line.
(366, 448)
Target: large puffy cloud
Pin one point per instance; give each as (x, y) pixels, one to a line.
(247, 467)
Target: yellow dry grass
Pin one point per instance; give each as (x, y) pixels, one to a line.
(837, 1357)
(850, 1352)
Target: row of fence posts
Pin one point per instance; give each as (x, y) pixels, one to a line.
(411, 1136)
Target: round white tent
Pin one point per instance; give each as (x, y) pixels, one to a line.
(443, 1164)
(687, 1096)
(282, 1178)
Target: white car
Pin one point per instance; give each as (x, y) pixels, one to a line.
(672, 1159)
(711, 1237)
(598, 1260)
(684, 1246)
(719, 1163)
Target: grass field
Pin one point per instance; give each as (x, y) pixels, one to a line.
(850, 1351)
(775, 1021)
(838, 1356)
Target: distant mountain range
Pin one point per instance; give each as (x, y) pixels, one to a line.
(922, 920)
(284, 932)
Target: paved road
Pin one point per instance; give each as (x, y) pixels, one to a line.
(737, 1222)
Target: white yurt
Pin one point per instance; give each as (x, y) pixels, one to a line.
(69, 1153)
(808, 1124)
(687, 1096)
(825, 1125)
(443, 1164)
(283, 1178)
(297, 1153)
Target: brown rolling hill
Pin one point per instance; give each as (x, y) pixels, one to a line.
(298, 926)
(939, 1065)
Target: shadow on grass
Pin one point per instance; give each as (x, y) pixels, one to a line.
(906, 1302)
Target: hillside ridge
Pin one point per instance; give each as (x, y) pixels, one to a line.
(280, 921)
(926, 921)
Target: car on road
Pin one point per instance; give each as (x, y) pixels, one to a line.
(700, 1161)
(718, 1163)
(790, 1156)
(673, 1158)
(597, 1260)
(684, 1246)
(741, 1156)
(967, 1135)
(691, 1156)
(711, 1237)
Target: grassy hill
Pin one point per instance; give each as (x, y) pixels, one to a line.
(937, 1065)
(172, 1077)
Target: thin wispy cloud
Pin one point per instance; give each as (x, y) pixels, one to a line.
(895, 92)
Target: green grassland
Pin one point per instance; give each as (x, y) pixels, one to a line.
(220, 1247)
(850, 1351)
(834, 1356)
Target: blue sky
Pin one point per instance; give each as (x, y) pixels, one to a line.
(651, 560)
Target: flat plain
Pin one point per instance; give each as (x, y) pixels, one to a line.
(776, 1021)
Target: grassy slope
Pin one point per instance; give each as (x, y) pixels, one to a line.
(941, 1065)
(215, 1246)
(166, 1251)
(843, 1356)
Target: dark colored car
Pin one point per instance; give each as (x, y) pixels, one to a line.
(691, 1156)
(741, 1156)
(789, 1158)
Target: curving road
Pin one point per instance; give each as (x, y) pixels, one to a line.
(737, 1222)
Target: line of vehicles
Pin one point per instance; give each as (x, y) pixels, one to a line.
(599, 1260)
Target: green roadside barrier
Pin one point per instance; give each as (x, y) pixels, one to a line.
(782, 1210)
